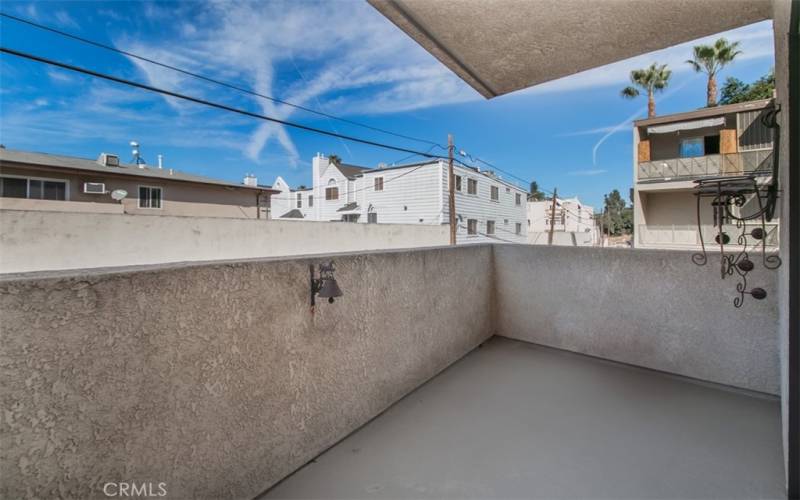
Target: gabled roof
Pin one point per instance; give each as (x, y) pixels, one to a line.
(293, 214)
(349, 171)
(87, 165)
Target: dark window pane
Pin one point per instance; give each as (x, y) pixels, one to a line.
(35, 188)
(15, 188)
(155, 198)
(144, 197)
(55, 190)
(711, 143)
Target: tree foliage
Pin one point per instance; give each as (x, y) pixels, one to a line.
(617, 217)
(710, 59)
(535, 194)
(651, 80)
(735, 90)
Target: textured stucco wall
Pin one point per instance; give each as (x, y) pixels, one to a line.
(652, 308)
(781, 26)
(39, 241)
(215, 378)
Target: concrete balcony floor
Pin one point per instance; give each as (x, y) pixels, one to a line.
(516, 420)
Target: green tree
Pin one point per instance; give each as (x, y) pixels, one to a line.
(535, 194)
(335, 159)
(735, 90)
(653, 79)
(616, 217)
(710, 59)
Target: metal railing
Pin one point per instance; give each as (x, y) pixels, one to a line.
(685, 235)
(744, 162)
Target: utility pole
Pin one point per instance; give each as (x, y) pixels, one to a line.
(552, 217)
(452, 182)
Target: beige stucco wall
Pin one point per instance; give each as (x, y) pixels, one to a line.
(178, 198)
(216, 379)
(651, 308)
(40, 240)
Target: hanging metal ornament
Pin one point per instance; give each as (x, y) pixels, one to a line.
(728, 194)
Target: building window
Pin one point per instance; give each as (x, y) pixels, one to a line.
(692, 147)
(378, 183)
(35, 189)
(458, 183)
(372, 218)
(332, 193)
(472, 226)
(310, 200)
(508, 190)
(149, 197)
(505, 221)
(350, 218)
(495, 193)
(519, 228)
(472, 186)
(489, 227)
(299, 200)
(518, 199)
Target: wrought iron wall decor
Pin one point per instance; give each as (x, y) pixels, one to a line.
(727, 192)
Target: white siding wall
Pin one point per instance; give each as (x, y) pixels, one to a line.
(481, 207)
(409, 196)
(576, 220)
(327, 209)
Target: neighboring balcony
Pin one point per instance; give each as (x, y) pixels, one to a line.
(758, 162)
(686, 236)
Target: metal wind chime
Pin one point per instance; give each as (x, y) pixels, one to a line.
(728, 192)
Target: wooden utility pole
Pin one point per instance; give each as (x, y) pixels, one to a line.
(552, 217)
(452, 182)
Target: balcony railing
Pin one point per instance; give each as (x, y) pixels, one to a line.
(745, 162)
(676, 235)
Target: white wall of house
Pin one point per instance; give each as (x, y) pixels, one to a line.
(418, 194)
(574, 223)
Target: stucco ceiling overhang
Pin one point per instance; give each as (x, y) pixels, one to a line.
(499, 46)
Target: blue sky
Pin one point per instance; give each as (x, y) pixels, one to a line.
(341, 57)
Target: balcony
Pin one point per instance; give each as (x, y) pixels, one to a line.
(686, 236)
(757, 162)
(219, 381)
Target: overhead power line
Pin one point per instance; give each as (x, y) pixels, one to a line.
(205, 102)
(212, 80)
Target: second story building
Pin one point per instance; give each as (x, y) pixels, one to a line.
(488, 208)
(672, 151)
(572, 223)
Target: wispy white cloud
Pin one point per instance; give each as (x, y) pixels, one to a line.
(352, 63)
(65, 20)
(588, 172)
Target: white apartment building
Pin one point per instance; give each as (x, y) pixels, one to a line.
(573, 225)
(487, 207)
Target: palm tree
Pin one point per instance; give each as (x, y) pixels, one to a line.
(710, 59)
(652, 79)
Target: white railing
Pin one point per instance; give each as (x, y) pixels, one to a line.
(745, 162)
(682, 235)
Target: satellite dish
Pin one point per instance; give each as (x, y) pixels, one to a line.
(119, 194)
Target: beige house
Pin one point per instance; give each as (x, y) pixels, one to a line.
(673, 151)
(38, 181)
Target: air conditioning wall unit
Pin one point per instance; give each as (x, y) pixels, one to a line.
(108, 160)
(94, 188)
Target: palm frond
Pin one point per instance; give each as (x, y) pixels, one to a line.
(629, 92)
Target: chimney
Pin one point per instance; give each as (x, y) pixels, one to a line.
(160, 160)
(250, 180)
